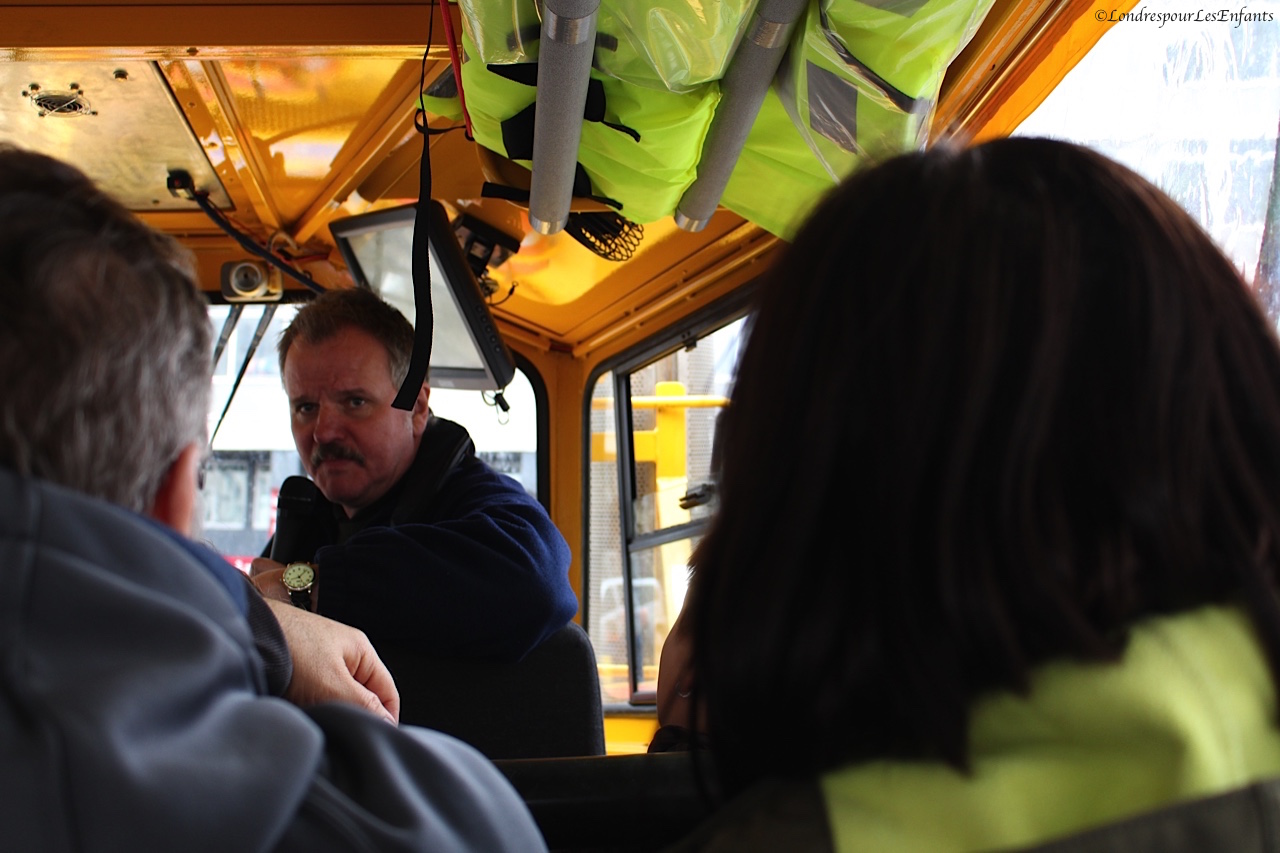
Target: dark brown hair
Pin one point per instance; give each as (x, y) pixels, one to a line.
(998, 405)
(335, 310)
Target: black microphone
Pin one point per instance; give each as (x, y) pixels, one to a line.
(295, 506)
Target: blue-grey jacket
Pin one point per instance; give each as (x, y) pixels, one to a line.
(135, 715)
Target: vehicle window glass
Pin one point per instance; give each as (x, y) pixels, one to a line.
(226, 491)
(672, 405)
(253, 447)
(1196, 112)
(606, 613)
(507, 440)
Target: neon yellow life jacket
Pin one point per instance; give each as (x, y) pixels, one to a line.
(860, 82)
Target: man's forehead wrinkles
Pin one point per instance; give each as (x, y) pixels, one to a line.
(333, 392)
(339, 369)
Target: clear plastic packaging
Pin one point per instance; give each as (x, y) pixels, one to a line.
(674, 45)
(643, 154)
(502, 32)
(862, 79)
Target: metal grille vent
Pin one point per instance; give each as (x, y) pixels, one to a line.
(65, 104)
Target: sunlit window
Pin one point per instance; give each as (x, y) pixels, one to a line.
(651, 496)
(1194, 106)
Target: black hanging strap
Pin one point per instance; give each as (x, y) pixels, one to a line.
(581, 189)
(424, 319)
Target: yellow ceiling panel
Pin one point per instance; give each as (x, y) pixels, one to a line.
(303, 117)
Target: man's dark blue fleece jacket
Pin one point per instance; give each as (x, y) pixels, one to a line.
(456, 558)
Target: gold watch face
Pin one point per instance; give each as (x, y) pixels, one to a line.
(298, 576)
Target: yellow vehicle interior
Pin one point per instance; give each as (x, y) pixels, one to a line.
(296, 113)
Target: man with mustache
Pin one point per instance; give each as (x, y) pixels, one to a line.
(419, 541)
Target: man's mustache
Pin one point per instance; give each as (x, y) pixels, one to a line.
(327, 452)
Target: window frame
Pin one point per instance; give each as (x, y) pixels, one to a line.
(542, 421)
(688, 331)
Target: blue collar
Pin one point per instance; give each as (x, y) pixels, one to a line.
(231, 578)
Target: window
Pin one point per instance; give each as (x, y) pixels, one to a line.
(257, 418)
(253, 446)
(239, 501)
(226, 495)
(651, 494)
(506, 440)
(1191, 104)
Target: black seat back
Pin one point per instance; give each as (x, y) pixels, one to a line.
(545, 706)
(615, 803)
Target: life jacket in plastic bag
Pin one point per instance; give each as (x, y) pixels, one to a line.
(860, 82)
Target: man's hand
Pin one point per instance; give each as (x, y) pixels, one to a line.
(334, 662)
(266, 576)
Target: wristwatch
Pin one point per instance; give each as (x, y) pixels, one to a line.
(298, 579)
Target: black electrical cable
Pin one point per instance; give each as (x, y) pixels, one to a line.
(180, 182)
(510, 293)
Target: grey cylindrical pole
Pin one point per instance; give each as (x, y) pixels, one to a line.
(564, 70)
(742, 91)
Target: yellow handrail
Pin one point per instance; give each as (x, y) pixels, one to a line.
(683, 401)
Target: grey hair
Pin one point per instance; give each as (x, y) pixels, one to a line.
(104, 337)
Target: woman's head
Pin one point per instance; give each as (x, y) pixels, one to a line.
(997, 405)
